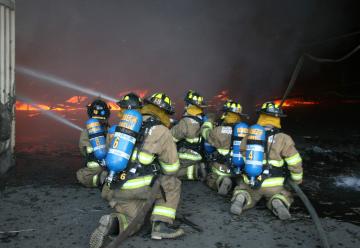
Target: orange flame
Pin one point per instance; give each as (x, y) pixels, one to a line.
(76, 99)
(293, 102)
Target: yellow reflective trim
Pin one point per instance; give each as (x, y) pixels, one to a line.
(281, 198)
(276, 163)
(123, 221)
(137, 182)
(89, 149)
(269, 182)
(190, 156)
(167, 100)
(208, 124)
(190, 172)
(92, 165)
(146, 158)
(193, 140)
(133, 156)
(223, 151)
(170, 167)
(218, 172)
(296, 176)
(95, 180)
(164, 211)
(293, 160)
(273, 181)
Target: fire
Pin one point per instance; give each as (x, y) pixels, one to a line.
(72, 104)
(293, 102)
(76, 99)
(218, 99)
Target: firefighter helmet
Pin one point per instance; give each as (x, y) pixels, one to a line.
(130, 101)
(234, 107)
(194, 98)
(98, 109)
(271, 108)
(162, 101)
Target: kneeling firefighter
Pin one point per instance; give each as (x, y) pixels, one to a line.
(267, 151)
(128, 101)
(187, 135)
(220, 137)
(153, 159)
(92, 143)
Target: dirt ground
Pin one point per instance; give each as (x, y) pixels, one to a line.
(41, 197)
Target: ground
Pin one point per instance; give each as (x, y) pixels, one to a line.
(54, 211)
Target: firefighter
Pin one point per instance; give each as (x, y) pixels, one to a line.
(220, 137)
(89, 176)
(128, 101)
(188, 137)
(279, 150)
(157, 154)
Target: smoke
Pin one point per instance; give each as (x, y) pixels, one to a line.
(62, 82)
(248, 47)
(49, 113)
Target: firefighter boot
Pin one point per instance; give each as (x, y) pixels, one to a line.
(238, 204)
(280, 210)
(225, 186)
(108, 225)
(161, 230)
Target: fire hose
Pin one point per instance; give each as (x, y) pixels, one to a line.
(312, 212)
(292, 184)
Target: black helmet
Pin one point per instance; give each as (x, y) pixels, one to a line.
(130, 101)
(162, 101)
(194, 98)
(271, 108)
(234, 107)
(98, 109)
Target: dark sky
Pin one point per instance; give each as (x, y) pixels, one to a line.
(249, 47)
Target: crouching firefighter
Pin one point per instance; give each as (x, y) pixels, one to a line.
(154, 160)
(92, 144)
(268, 149)
(220, 137)
(128, 101)
(187, 135)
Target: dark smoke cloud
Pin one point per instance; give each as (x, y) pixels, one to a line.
(249, 47)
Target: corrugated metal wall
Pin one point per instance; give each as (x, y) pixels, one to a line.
(7, 83)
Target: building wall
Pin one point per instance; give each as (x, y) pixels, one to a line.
(7, 84)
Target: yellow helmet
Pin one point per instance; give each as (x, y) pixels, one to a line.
(194, 98)
(234, 107)
(271, 108)
(162, 101)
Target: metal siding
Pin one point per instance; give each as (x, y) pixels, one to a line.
(12, 73)
(2, 51)
(7, 64)
(7, 54)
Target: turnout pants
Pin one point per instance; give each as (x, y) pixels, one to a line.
(128, 203)
(89, 177)
(189, 164)
(253, 196)
(217, 174)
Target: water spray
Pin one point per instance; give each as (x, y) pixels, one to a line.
(50, 114)
(62, 82)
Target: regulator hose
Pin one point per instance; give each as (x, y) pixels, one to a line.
(312, 212)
